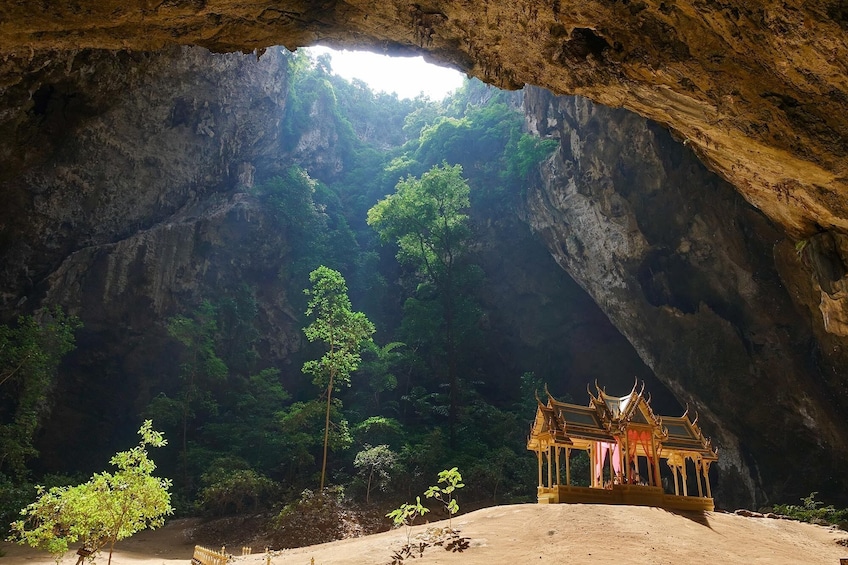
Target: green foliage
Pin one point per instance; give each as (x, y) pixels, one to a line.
(814, 511)
(336, 325)
(30, 353)
(106, 509)
(235, 491)
(379, 430)
(341, 330)
(444, 494)
(301, 426)
(200, 371)
(377, 372)
(426, 218)
(14, 495)
(528, 153)
(375, 463)
(406, 514)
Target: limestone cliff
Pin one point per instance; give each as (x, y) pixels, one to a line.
(696, 279)
(756, 90)
(129, 202)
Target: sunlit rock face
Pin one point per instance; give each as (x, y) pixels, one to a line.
(692, 276)
(758, 90)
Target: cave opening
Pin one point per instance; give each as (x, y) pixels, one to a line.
(323, 140)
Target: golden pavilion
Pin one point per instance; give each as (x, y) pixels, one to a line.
(626, 444)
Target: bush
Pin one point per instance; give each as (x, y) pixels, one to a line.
(13, 497)
(815, 512)
(106, 509)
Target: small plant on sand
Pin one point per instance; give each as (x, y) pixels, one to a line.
(444, 494)
(406, 514)
(448, 538)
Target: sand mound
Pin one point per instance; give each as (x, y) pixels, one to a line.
(531, 533)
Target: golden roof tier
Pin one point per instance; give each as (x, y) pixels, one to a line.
(622, 442)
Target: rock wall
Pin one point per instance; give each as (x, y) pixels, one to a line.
(698, 281)
(130, 202)
(107, 145)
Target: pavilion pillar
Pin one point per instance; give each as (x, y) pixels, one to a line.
(657, 476)
(699, 474)
(628, 476)
(591, 453)
(706, 471)
(567, 466)
(539, 452)
(622, 456)
(557, 448)
(674, 472)
(550, 468)
(612, 468)
(685, 487)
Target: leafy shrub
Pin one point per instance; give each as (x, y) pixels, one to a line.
(106, 509)
(13, 497)
(815, 512)
(444, 494)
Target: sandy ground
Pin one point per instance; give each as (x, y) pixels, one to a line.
(525, 534)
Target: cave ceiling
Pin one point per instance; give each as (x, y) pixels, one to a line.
(759, 90)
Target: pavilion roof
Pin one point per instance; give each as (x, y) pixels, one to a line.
(608, 416)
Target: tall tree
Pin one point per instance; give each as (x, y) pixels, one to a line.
(341, 329)
(426, 218)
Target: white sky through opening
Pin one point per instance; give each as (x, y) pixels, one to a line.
(407, 76)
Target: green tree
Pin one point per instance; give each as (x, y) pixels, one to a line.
(30, 353)
(106, 509)
(426, 218)
(376, 463)
(378, 371)
(341, 330)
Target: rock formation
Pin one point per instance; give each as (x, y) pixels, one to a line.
(756, 91)
(704, 287)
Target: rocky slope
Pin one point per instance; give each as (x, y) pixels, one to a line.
(705, 288)
(127, 183)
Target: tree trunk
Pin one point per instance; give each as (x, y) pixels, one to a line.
(326, 434)
(368, 488)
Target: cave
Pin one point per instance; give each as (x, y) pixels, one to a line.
(763, 236)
